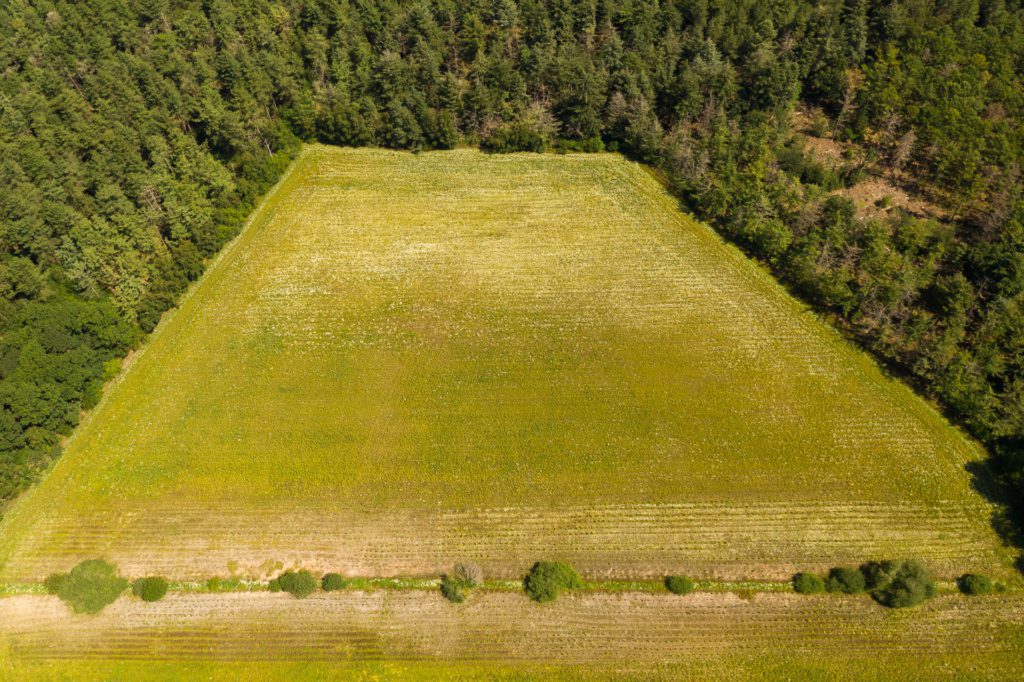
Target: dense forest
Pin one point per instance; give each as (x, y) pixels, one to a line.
(135, 137)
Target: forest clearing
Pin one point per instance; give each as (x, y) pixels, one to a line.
(589, 375)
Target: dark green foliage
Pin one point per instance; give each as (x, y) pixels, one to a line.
(808, 583)
(878, 574)
(331, 582)
(974, 584)
(152, 588)
(845, 580)
(274, 585)
(213, 584)
(54, 582)
(89, 587)
(299, 584)
(678, 584)
(795, 161)
(547, 579)
(453, 589)
(910, 585)
(514, 137)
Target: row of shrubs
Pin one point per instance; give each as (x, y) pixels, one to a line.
(93, 584)
(545, 581)
(890, 583)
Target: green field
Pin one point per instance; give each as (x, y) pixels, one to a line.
(408, 360)
(411, 360)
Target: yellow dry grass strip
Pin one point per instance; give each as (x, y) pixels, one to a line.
(596, 629)
(638, 541)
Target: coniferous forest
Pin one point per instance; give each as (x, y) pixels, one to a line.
(135, 138)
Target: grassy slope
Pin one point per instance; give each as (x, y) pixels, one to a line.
(410, 359)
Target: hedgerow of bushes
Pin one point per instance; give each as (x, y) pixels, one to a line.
(299, 584)
(892, 584)
(94, 583)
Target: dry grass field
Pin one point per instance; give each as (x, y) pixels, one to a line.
(409, 360)
(388, 634)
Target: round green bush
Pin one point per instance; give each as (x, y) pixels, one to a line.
(299, 584)
(332, 582)
(547, 579)
(213, 584)
(808, 583)
(90, 586)
(845, 580)
(274, 585)
(909, 586)
(452, 589)
(678, 584)
(152, 588)
(974, 584)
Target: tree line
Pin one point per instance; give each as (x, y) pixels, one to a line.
(136, 136)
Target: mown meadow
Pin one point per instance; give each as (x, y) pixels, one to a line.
(408, 360)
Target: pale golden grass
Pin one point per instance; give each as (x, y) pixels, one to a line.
(605, 633)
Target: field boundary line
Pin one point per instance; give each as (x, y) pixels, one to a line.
(212, 267)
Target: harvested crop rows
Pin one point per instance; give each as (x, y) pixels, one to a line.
(409, 360)
(715, 541)
(606, 630)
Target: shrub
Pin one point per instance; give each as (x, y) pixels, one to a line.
(910, 585)
(678, 584)
(213, 584)
(547, 579)
(152, 588)
(808, 583)
(452, 589)
(853, 175)
(89, 586)
(845, 580)
(590, 145)
(795, 162)
(54, 582)
(878, 574)
(974, 584)
(274, 585)
(514, 137)
(299, 584)
(332, 582)
(470, 575)
(464, 577)
(820, 125)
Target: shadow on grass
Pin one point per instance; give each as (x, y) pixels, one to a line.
(989, 478)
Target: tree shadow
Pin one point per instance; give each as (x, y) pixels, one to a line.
(1007, 520)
